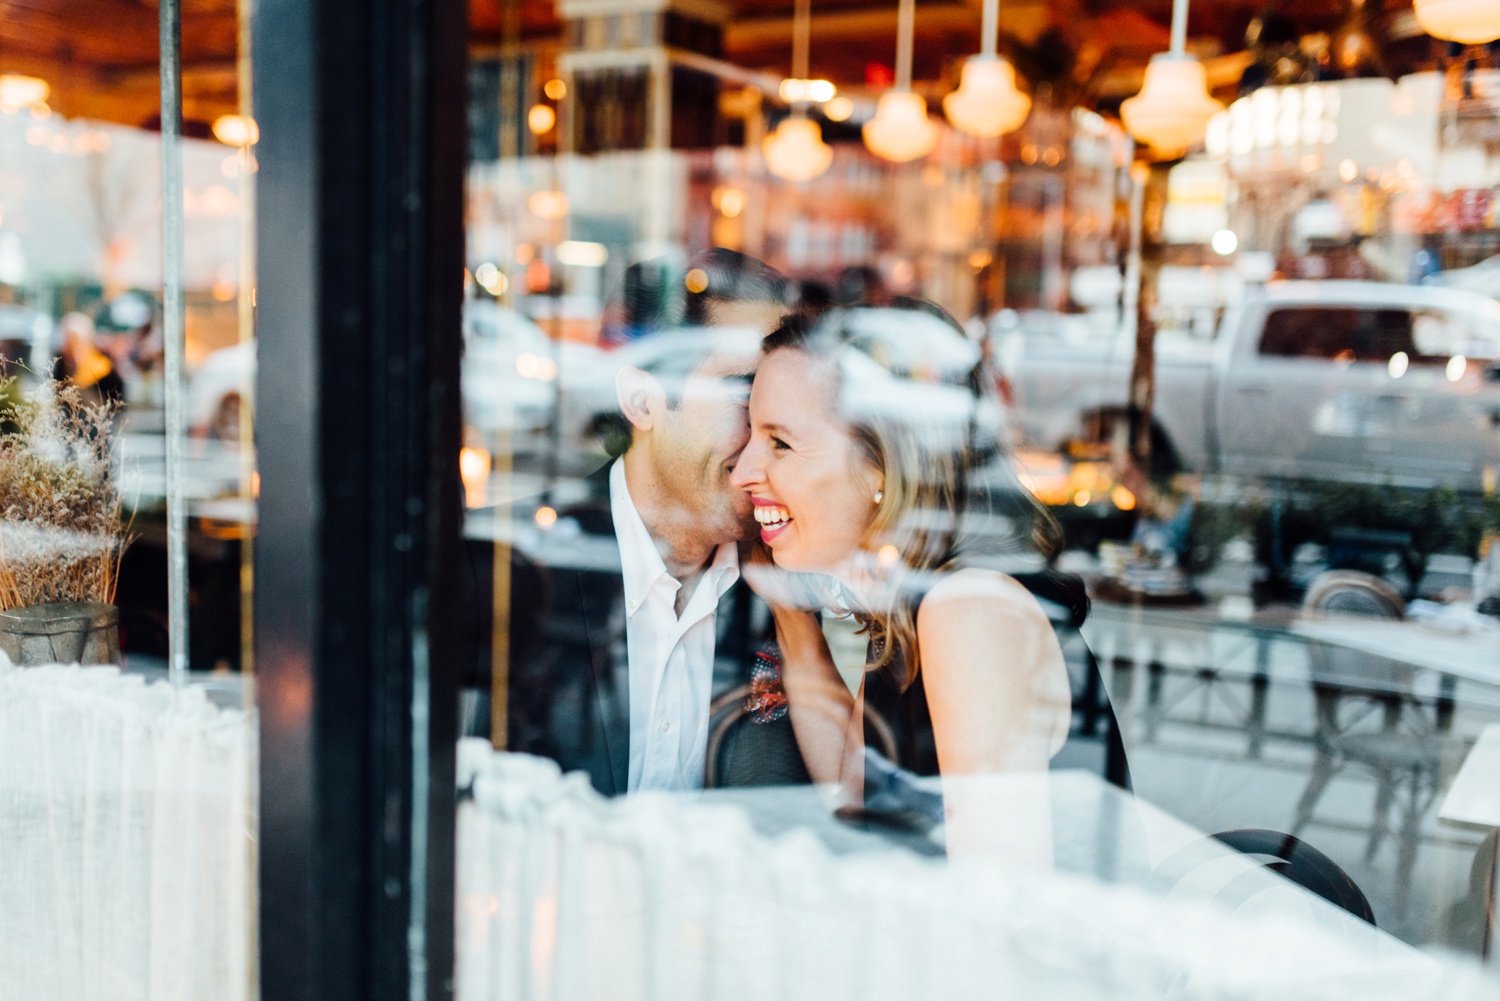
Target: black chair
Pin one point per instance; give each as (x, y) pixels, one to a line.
(745, 751)
(1283, 854)
(1304, 865)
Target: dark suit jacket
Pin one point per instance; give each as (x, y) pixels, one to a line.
(568, 687)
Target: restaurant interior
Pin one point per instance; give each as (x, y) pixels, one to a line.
(1228, 272)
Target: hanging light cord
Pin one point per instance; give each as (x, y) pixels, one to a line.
(1179, 26)
(801, 32)
(801, 29)
(990, 28)
(906, 17)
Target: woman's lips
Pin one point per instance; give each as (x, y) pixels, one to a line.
(773, 518)
(767, 534)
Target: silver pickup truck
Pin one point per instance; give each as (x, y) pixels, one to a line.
(1326, 380)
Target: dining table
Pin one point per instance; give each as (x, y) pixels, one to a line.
(1100, 832)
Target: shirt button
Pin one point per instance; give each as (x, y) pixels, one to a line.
(665, 726)
(630, 605)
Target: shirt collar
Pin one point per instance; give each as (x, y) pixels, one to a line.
(641, 564)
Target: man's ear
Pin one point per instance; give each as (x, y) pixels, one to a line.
(640, 396)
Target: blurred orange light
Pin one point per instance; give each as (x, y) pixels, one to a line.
(1082, 498)
(729, 201)
(546, 517)
(541, 118)
(236, 130)
(538, 276)
(474, 470)
(1122, 498)
(548, 204)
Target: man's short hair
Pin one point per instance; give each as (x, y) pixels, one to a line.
(656, 297)
(720, 276)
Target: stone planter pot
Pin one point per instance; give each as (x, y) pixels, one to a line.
(61, 632)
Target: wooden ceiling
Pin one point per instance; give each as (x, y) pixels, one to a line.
(100, 56)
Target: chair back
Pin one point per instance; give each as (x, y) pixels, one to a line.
(1355, 593)
(744, 750)
(1304, 865)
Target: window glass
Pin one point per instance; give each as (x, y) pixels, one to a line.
(870, 526)
(1355, 334)
(127, 751)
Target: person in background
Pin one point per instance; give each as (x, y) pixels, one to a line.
(82, 365)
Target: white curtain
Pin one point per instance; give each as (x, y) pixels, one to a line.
(126, 840)
(563, 895)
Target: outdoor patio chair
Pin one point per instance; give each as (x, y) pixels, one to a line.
(1368, 716)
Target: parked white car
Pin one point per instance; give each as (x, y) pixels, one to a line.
(923, 374)
(1483, 277)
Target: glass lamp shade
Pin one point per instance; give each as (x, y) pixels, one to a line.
(900, 130)
(987, 103)
(1172, 110)
(1472, 22)
(18, 91)
(796, 150)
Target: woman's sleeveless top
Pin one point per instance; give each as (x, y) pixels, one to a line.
(909, 721)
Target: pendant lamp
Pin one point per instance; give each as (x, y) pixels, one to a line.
(1472, 22)
(1172, 110)
(901, 130)
(987, 103)
(20, 91)
(796, 150)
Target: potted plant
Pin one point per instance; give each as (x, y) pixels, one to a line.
(61, 529)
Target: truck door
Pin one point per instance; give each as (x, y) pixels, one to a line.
(1440, 408)
(1291, 400)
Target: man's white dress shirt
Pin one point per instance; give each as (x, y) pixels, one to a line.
(671, 657)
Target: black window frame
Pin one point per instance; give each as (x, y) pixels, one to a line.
(359, 222)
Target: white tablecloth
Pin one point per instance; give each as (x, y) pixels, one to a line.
(565, 895)
(126, 840)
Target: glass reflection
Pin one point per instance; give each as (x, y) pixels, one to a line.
(1194, 459)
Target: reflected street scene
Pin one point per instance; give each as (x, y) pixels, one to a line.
(639, 499)
(1058, 502)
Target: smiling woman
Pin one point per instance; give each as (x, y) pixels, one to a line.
(884, 501)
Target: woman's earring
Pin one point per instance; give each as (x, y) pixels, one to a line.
(879, 496)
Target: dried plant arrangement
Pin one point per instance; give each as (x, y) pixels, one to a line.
(62, 531)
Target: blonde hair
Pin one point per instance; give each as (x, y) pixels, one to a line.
(926, 450)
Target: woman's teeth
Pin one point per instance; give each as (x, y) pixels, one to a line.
(772, 515)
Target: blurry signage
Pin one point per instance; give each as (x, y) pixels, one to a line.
(1462, 211)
